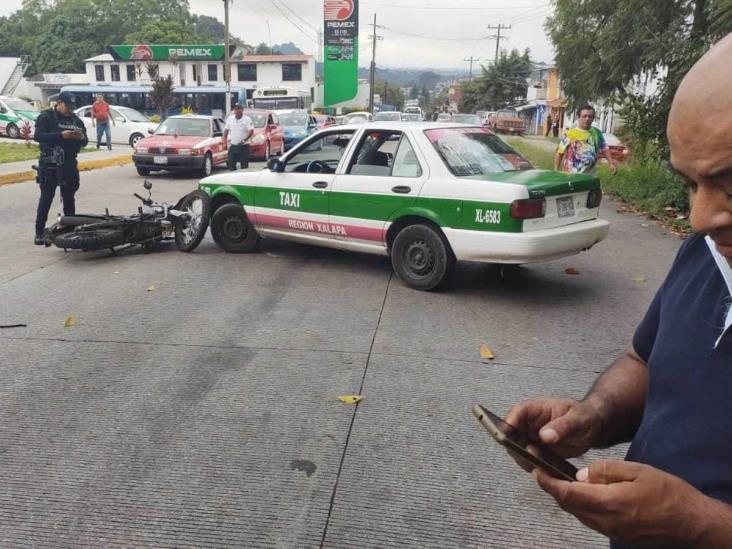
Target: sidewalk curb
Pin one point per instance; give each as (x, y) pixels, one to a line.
(84, 166)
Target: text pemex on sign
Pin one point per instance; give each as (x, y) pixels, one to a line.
(340, 55)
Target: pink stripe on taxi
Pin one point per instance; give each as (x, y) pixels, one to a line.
(319, 227)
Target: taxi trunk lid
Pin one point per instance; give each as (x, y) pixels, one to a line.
(566, 196)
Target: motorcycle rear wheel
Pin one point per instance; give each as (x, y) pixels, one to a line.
(190, 231)
(100, 238)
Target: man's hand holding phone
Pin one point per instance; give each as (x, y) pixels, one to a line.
(568, 427)
(72, 134)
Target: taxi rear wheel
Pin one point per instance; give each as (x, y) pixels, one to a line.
(13, 131)
(422, 258)
(232, 230)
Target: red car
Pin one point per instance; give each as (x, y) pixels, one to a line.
(507, 121)
(269, 135)
(183, 143)
(324, 121)
(618, 151)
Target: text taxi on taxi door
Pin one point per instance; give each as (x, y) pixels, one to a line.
(425, 194)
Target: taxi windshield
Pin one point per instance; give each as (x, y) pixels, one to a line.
(184, 126)
(475, 151)
(259, 120)
(19, 104)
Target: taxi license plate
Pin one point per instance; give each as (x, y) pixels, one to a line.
(565, 206)
(160, 159)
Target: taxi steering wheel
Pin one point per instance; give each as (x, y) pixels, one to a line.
(322, 167)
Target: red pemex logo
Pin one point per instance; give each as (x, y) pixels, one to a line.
(338, 10)
(143, 53)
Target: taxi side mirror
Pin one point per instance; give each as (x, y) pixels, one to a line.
(150, 131)
(275, 165)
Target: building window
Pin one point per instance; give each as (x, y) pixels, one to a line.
(99, 72)
(115, 72)
(246, 72)
(130, 73)
(213, 73)
(291, 72)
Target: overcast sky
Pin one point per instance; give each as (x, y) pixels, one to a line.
(416, 33)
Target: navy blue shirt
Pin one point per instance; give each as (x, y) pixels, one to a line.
(686, 428)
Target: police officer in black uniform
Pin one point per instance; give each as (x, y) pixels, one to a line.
(61, 135)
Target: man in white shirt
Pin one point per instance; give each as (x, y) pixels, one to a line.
(237, 131)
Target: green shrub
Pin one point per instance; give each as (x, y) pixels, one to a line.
(155, 118)
(651, 187)
(540, 156)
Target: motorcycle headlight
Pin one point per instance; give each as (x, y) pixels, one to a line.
(184, 152)
(258, 139)
(141, 150)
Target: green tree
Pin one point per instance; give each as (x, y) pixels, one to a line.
(62, 47)
(499, 85)
(262, 49)
(414, 92)
(608, 49)
(162, 32)
(162, 95)
(391, 94)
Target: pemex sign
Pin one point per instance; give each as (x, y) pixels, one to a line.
(164, 52)
(340, 45)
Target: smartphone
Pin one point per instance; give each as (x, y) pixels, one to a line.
(517, 441)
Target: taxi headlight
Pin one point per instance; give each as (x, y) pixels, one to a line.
(141, 150)
(258, 139)
(184, 152)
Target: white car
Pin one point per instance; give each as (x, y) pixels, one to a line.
(444, 117)
(129, 125)
(426, 194)
(359, 117)
(388, 116)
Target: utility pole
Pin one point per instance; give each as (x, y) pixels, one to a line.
(498, 36)
(386, 87)
(372, 79)
(227, 68)
(471, 60)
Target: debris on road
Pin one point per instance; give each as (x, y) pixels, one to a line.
(639, 279)
(13, 325)
(151, 288)
(571, 271)
(69, 322)
(486, 353)
(350, 399)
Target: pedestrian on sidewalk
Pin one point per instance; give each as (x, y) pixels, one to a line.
(237, 131)
(670, 392)
(581, 147)
(548, 125)
(100, 117)
(61, 135)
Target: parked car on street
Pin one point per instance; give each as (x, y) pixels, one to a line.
(473, 119)
(507, 121)
(17, 117)
(269, 135)
(183, 143)
(129, 125)
(444, 117)
(411, 117)
(324, 121)
(358, 117)
(388, 116)
(297, 126)
(618, 151)
(425, 194)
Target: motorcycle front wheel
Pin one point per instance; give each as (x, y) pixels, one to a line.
(99, 238)
(190, 229)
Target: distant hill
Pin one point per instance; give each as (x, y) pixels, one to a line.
(287, 49)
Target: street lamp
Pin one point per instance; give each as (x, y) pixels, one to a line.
(227, 68)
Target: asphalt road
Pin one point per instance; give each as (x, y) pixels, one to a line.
(194, 402)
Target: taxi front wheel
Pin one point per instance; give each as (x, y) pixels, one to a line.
(422, 258)
(232, 230)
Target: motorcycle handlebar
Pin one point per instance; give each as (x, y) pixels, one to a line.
(144, 200)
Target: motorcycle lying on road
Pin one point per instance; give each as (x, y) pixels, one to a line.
(185, 222)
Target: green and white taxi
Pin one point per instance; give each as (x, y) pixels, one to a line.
(17, 117)
(426, 194)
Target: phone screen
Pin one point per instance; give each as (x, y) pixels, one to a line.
(518, 442)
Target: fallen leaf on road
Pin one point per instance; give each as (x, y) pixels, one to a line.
(639, 279)
(644, 225)
(151, 288)
(571, 271)
(350, 399)
(486, 353)
(69, 322)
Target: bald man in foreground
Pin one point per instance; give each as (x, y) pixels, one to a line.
(671, 393)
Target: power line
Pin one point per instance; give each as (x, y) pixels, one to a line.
(298, 16)
(293, 23)
(434, 37)
(498, 36)
(444, 8)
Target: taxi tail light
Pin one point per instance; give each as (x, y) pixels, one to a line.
(528, 208)
(195, 152)
(594, 198)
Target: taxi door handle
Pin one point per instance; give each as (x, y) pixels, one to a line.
(320, 184)
(401, 189)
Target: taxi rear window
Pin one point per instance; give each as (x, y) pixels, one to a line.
(475, 151)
